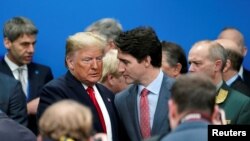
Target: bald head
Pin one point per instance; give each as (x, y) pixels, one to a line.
(236, 36)
(229, 44)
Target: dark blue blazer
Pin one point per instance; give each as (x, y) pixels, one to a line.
(12, 131)
(68, 87)
(12, 99)
(246, 77)
(189, 131)
(38, 76)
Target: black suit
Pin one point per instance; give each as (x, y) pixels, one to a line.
(240, 86)
(12, 131)
(12, 99)
(246, 77)
(68, 87)
(38, 76)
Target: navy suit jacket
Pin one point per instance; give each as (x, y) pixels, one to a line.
(189, 131)
(12, 131)
(38, 76)
(246, 77)
(12, 99)
(126, 104)
(241, 86)
(68, 87)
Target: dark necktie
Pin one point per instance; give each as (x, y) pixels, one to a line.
(144, 114)
(91, 93)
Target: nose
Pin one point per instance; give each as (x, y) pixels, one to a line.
(31, 48)
(191, 68)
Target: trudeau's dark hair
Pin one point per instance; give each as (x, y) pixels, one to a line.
(141, 42)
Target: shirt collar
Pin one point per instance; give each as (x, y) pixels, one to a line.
(12, 65)
(155, 86)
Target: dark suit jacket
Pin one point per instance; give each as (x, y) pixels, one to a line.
(235, 104)
(38, 76)
(246, 76)
(68, 87)
(12, 99)
(240, 86)
(189, 131)
(12, 131)
(126, 104)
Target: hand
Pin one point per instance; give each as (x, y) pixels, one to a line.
(32, 106)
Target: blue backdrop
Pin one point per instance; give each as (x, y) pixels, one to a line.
(181, 21)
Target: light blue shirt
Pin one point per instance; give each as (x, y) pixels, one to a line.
(232, 79)
(154, 88)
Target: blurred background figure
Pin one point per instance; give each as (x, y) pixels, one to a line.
(10, 130)
(235, 35)
(111, 77)
(12, 99)
(20, 37)
(192, 108)
(230, 72)
(174, 61)
(109, 28)
(66, 120)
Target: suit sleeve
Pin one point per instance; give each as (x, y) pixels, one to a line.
(244, 115)
(17, 105)
(48, 96)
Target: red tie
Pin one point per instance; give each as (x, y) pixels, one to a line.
(144, 114)
(90, 90)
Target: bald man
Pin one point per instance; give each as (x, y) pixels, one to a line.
(209, 57)
(236, 36)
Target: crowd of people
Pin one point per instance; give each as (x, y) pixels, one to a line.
(121, 86)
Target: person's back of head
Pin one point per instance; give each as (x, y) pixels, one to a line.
(141, 42)
(66, 119)
(192, 93)
(18, 26)
(235, 35)
(108, 27)
(175, 57)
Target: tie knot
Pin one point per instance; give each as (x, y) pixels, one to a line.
(144, 92)
(90, 89)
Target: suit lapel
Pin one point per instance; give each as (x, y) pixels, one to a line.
(161, 112)
(131, 101)
(6, 69)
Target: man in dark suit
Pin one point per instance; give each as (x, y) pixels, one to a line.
(84, 52)
(235, 35)
(143, 104)
(192, 108)
(12, 131)
(19, 40)
(230, 72)
(12, 99)
(209, 57)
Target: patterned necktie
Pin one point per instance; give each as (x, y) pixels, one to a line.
(144, 114)
(91, 93)
(22, 79)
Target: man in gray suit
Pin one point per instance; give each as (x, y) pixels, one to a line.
(140, 55)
